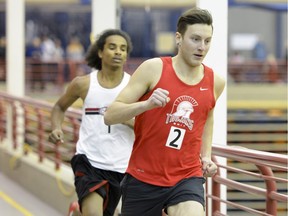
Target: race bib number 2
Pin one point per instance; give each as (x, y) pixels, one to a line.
(175, 137)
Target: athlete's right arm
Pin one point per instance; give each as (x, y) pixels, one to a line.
(126, 106)
(58, 112)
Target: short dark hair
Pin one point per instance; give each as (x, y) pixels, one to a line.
(92, 57)
(193, 16)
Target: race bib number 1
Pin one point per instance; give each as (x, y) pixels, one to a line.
(175, 137)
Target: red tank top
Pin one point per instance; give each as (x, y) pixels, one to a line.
(168, 139)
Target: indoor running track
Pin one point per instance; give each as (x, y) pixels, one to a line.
(16, 201)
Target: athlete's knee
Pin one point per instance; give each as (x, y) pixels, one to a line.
(92, 205)
(187, 208)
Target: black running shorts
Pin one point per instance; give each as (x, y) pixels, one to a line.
(139, 198)
(89, 179)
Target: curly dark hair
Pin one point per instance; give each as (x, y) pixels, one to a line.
(92, 58)
(193, 16)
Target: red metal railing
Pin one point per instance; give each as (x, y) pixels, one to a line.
(36, 116)
(267, 164)
(253, 71)
(248, 71)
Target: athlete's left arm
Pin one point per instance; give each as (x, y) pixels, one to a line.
(208, 167)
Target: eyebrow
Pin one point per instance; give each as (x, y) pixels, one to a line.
(196, 35)
(116, 44)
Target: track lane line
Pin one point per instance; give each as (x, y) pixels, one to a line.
(14, 204)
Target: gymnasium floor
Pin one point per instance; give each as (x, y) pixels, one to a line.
(16, 201)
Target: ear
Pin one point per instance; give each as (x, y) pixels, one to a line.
(178, 38)
(100, 54)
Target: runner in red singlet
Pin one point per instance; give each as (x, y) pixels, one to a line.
(173, 100)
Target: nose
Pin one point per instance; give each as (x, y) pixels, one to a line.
(118, 50)
(202, 45)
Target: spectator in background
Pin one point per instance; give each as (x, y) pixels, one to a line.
(75, 57)
(33, 54)
(47, 60)
(33, 50)
(259, 51)
(236, 58)
(75, 50)
(59, 51)
(47, 49)
(272, 71)
(235, 61)
(59, 55)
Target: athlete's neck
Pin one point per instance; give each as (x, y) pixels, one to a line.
(109, 79)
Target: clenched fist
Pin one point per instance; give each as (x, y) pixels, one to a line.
(56, 136)
(159, 98)
(209, 168)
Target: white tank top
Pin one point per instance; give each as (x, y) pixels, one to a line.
(106, 148)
